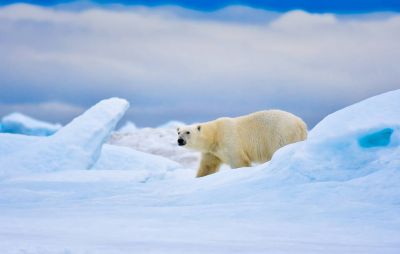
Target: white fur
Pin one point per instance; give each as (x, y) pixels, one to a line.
(242, 140)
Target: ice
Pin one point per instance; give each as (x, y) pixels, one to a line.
(148, 166)
(128, 127)
(336, 192)
(75, 146)
(116, 164)
(172, 125)
(22, 124)
(350, 143)
(362, 115)
(158, 141)
(90, 130)
(379, 138)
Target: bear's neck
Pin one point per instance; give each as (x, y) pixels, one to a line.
(211, 139)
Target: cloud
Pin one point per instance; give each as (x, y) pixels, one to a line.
(174, 63)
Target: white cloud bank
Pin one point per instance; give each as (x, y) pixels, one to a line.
(184, 66)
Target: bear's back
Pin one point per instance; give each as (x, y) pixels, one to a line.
(263, 132)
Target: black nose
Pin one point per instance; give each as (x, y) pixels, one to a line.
(181, 142)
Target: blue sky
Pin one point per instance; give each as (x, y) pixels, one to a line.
(175, 63)
(320, 6)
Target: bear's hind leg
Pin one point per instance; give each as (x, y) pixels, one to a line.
(209, 165)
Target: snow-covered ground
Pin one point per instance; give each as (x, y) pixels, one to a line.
(337, 192)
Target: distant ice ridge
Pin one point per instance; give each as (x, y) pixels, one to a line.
(161, 141)
(172, 124)
(18, 123)
(128, 127)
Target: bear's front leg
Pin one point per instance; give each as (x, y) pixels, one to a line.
(209, 165)
(240, 162)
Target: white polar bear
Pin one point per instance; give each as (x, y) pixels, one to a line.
(242, 140)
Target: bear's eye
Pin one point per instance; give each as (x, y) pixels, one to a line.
(188, 132)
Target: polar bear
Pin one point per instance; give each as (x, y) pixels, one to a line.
(242, 140)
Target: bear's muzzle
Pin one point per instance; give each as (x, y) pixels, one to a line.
(181, 142)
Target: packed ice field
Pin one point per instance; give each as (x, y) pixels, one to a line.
(88, 188)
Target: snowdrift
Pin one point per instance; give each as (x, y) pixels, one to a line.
(350, 143)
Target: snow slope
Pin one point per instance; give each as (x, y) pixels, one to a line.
(22, 124)
(337, 192)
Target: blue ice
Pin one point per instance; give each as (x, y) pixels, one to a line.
(376, 139)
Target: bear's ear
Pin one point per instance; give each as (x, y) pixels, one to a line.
(198, 127)
(177, 129)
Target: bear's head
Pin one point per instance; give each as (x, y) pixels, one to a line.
(189, 136)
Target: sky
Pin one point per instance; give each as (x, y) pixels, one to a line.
(181, 60)
(321, 6)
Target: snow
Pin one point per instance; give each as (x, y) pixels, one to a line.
(172, 124)
(76, 146)
(336, 192)
(350, 143)
(160, 141)
(22, 124)
(128, 127)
